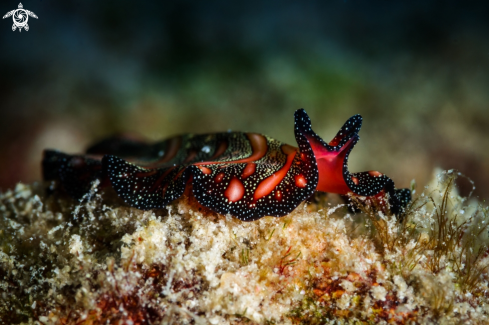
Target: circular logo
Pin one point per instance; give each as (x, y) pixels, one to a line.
(20, 17)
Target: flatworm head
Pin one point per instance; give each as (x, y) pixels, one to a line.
(247, 175)
(332, 163)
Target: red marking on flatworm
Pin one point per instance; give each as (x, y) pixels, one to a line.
(288, 149)
(303, 156)
(355, 180)
(205, 170)
(219, 177)
(191, 155)
(380, 195)
(249, 170)
(179, 174)
(278, 195)
(220, 150)
(300, 181)
(173, 146)
(374, 173)
(235, 190)
(170, 153)
(172, 150)
(258, 145)
(330, 166)
(164, 189)
(269, 183)
(160, 179)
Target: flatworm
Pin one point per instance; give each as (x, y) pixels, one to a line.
(247, 175)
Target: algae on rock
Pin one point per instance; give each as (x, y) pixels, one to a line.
(99, 261)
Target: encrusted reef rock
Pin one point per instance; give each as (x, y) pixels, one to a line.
(100, 262)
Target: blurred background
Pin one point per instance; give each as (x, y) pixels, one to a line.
(416, 70)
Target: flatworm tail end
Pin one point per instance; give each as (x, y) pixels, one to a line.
(75, 173)
(125, 145)
(51, 162)
(145, 188)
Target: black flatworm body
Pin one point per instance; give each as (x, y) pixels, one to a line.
(247, 175)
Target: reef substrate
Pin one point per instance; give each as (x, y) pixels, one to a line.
(100, 262)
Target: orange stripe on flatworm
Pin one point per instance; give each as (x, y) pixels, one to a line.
(249, 170)
(205, 170)
(235, 190)
(268, 184)
(288, 149)
(172, 150)
(374, 173)
(300, 181)
(220, 150)
(164, 189)
(219, 177)
(179, 174)
(355, 180)
(170, 153)
(191, 155)
(160, 179)
(259, 148)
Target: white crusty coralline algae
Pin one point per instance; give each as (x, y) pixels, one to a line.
(99, 262)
